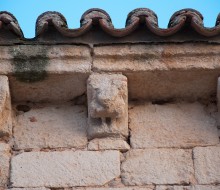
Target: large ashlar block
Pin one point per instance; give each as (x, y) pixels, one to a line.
(107, 105)
(51, 126)
(207, 164)
(5, 108)
(157, 166)
(64, 169)
(172, 125)
(4, 164)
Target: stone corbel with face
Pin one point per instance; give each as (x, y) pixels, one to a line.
(107, 106)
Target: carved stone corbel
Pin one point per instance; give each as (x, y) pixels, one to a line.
(107, 105)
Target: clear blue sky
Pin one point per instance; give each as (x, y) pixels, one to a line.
(27, 11)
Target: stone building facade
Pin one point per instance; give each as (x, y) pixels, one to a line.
(99, 108)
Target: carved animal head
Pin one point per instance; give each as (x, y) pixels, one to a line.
(108, 96)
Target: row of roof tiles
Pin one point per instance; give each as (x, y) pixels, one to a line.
(180, 19)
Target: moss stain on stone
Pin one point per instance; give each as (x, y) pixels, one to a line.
(30, 63)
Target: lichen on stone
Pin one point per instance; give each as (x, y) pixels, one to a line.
(30, 63)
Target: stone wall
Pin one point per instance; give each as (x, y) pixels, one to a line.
(110, 117)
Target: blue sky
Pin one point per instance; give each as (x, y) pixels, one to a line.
(27, 11)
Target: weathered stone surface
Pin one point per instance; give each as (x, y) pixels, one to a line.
(157, 166)
(155, 57)
(46, 73)
(5, 108)
(41, 188)
(163, 187)
(172, 125)
(107, 105)
(64, 169)
(122, 188)
(207, 164)
(51, 126)
(207, 187)
(197, 187)
(58, 59)
(4, 164)
(218, 101)
(165, 71)
(108, 144)
(55, 88)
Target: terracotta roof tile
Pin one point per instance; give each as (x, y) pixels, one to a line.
(139, 19)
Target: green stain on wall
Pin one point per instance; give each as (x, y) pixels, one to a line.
(30, 63)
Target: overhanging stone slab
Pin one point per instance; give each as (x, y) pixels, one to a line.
(43, 73)
(163, 71)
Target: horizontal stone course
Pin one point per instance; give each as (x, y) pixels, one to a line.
(61, 58)
(51, 126)
(207, 164)
(157, 166)
(145, 57)
(64, 169)
(179, 125)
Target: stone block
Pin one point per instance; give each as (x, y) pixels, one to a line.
(157, 166)
(163, 71)
(5, 108)
(207, 164)
(119, 188)
(107, 105)
(46, 73)
(207, 187)
(108, 144)
(51, 126)
(169, 187)
(64, 169)
(172, 125)
(4, 164)
(196, 187)
(41, 188)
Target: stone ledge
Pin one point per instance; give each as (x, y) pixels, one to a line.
(44, 73)
(161, 57)
(59, 59)
(164, 71)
